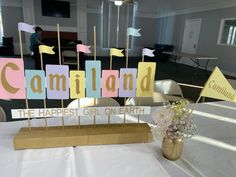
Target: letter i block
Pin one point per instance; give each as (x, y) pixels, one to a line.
(77, 84)
(12, 81)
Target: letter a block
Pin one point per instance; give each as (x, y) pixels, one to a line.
(35, 84)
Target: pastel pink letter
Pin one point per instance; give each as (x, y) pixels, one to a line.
(12, 81)
(110, 83)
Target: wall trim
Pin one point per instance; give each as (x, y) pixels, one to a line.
(62, 28)
(146, 15)
(11, 3)
(208, 7)
(93, 10)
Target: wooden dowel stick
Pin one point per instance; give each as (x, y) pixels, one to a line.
(94, 117)
(139, 102)
(21, 47)
(27, 107)
(124, 113)
(194, 106)
(142, 58)
(63, 121)
(44, 101)
(59, 43)
(109, 117)
(59, 57)
(22, 57)
(126, 65)
(110, 62)
(95, 58)
(78, 98)
(41, 61)
(127, 52)
(95, 42)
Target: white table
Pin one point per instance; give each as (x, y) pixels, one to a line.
(129, 160)
(195, 58)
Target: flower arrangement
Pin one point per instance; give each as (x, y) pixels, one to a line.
(174, 121)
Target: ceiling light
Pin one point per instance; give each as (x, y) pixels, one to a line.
(118, 3)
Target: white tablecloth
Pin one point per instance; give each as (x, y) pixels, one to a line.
(217, 159)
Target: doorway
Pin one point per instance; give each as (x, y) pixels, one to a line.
(191, 35)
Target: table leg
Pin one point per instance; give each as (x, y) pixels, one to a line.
(206, 67)
(176, 66)
(196, 61)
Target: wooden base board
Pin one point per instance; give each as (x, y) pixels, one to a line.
(53, 137)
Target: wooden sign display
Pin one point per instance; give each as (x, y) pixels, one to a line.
(59, 83)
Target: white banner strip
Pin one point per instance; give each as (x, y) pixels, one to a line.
(69, 112)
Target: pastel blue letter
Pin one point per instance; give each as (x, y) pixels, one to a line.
(93, 79)
(35, 84)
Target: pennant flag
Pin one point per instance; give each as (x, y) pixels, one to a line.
(133, 32)
(116, 52)
(25, 27)
(83, 48)
(218, 87)
(46, 49)
(148, 52)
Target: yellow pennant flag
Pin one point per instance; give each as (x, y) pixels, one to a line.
(218, 87)
(116, 52)
(46, 49)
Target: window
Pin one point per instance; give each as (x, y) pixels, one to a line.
(1, 28)
(227, 34)
(115, 21)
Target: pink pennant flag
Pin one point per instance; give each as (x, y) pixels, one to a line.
(148, 52)
(83, 48)
(25, 27)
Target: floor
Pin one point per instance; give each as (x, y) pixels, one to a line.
(165, 70)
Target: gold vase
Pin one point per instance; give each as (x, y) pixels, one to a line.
(172, 148)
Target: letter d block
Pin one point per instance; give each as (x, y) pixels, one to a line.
(12, 81)
(57, 77)
(146, 77)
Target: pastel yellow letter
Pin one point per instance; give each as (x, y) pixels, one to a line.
(77, 84)
(145, 80)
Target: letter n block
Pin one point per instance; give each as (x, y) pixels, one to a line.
(127, 82)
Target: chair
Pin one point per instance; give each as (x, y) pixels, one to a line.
(3, 117)
(156, 100)
(89, 102)
(69, 57)
(170, 89)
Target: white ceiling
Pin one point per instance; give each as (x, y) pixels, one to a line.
(165, 6)
(174, 5)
